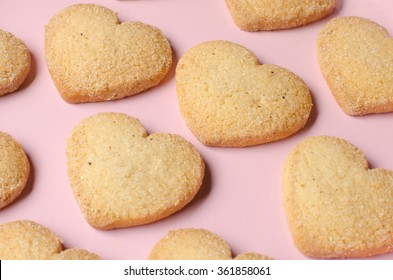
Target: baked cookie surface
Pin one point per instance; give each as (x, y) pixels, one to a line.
(191, 244)
(256, 15)
(121, 176)
(229, 99)
(196, 244)
(336, 206)
(15, 62)
(14, 169)
(28, 240)
(356, 58)
(91, 56)
(252, 256)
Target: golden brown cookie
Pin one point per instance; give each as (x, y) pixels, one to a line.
(14, 169)
(15, 62)
(356, 58)
(229, 99)
(121, 176)
(196, 244)
(91, 56)
(191, 244)
(336, 206)
(28, 240)
(252, 256)
(256, 15)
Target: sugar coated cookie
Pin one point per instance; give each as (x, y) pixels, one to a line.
(191, 244)
(92, 57)
(252, 256)
(356, 58)
(15, 62)
(123, 177)
(196, 244)
(336, 206)
(256, 15)
(28, 240)
(228, 99)
(14, 169)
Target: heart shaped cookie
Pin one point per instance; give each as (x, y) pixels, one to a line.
(336, 207)
(356, 58)
(228, 99)
(15, 62)
(255, 15)
(28, 240)
(92, 57)
(14, 169)
(122, 177)
(196, 244)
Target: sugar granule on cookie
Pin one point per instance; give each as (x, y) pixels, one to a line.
(122, 177)
(93, 57)
(14, 169)
(257, 15)
(336, 206)
(15, 62)
(28, 240)
(229, 99)
(356, 59)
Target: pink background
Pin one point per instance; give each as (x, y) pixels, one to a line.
(241, 197)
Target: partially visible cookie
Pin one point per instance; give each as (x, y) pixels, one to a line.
(336, 206)
(15, 62)
(356, 58)
(91, 56)
(76, 254)
(14, 169)
(122, 177)
(252, 256)
(191, 244)
(256, 15)
(196, 244)
(229, 99)
(28, 240)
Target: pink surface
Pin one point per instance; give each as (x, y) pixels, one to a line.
(241, 197)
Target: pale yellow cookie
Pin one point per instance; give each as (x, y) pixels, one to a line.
(14, 169)
(256, 15)
(191, 244)
(336, 206)
(121, 176)
(252, 256)
(229, 99)
(15, 62)
(91, 56)
(28, 240)
(356, 58)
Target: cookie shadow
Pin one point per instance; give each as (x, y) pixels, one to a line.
(205, 187)
(339, 6)
(171, 73)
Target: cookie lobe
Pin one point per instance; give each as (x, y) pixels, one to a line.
(14, 169)
(29, 240)
(15, 62)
